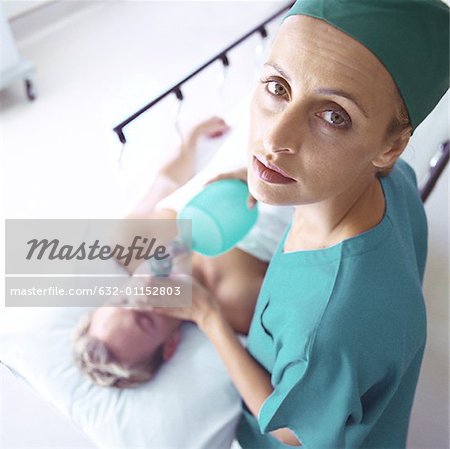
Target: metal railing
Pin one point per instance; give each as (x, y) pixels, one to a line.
(437, 164)
(221, 56)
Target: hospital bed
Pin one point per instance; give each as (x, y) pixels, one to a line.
(12, 66)
(192, 404)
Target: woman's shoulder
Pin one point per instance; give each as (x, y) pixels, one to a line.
(403, 168)
(400, 185)
(406, 213)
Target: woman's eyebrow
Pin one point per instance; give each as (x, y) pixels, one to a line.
(278, 69)
(321, 91)
(340, 93)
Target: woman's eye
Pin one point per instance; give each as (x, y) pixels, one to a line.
(274, 87)
(334, 118)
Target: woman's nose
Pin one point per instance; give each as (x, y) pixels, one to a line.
(284, 133)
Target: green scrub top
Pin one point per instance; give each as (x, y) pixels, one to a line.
(342, 332)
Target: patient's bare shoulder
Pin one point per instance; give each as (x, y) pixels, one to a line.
(235, 279)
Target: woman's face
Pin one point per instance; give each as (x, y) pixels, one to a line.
(319, 115)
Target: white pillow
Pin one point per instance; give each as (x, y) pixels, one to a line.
(191, 402)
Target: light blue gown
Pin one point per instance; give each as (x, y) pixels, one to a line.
(342, 332)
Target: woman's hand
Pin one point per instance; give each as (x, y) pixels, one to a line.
(241, 174)
(204, 305)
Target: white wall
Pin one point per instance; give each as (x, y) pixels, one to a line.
(429, 428)
(14, 8)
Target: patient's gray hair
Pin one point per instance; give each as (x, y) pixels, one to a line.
(94, 358)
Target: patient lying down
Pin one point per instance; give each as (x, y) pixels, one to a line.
(124, 347)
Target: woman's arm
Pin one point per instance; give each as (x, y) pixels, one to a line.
(250, 378)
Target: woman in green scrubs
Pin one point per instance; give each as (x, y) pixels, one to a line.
(337, 339)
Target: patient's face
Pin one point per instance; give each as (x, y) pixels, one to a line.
(132, 335)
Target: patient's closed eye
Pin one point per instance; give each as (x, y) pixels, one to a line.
(145, 322)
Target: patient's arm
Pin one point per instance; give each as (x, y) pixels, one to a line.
(237, 297)
(170, 177)
(180, 169)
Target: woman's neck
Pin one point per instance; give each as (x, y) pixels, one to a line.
(321, 225)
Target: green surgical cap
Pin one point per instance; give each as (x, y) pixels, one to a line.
(409, 37)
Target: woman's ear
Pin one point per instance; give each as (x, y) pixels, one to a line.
(171, 344)
(392, 150)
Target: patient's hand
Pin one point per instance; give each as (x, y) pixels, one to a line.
(213, 127)
(182, 167)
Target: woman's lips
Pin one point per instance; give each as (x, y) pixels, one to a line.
(268, 175)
